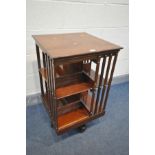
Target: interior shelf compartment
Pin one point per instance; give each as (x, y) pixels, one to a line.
(74, 110)
(68, 104)
(65, 105)
(73, 118)
(71, 112)
(72, 84)
(43, 72)
(91, 75)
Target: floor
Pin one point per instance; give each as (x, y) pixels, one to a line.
(108, 135)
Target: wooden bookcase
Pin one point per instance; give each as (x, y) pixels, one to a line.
(72, 92)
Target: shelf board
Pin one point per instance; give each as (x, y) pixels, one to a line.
(72, 89)
(72, 118)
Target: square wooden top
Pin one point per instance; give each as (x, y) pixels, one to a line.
(72, 44)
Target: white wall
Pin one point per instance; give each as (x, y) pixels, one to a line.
(106, 19)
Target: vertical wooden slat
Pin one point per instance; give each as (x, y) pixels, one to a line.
(49, 88)
(39, 66)
(90, 62)
(105, 81)
(95, 83)
(44, 64)
(54, 94)
(100, 82)
(52, 85)
(110, 80)
(48, 70)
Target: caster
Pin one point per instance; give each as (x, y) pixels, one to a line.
(52, 125)
(82, 128)
(91, 89)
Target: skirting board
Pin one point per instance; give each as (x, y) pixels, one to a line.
(36, 99)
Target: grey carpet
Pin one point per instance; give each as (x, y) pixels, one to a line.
(108, 135)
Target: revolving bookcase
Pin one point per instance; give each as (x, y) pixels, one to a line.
(75, 71)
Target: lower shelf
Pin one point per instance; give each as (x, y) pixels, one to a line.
(74, 117)
(72, 114)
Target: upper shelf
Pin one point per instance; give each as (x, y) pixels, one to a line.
(72, 89)
(71, 84)
(91, 75)
(72, 44)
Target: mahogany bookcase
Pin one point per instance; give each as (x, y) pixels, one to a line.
(72, 91)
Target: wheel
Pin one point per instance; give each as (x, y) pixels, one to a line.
(51, 125)
(91, 89)
(82, 128)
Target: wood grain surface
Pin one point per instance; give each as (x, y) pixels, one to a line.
(71, 44)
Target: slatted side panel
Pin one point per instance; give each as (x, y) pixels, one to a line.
(109, 83)
(48, 87)
(51, 92)
(100, 95)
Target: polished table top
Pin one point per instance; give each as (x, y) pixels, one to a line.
(72, 44)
